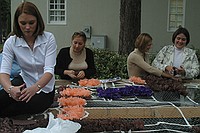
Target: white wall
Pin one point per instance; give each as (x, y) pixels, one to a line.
(103, 17)
(94, 13)
(154, 21)
(193, 21)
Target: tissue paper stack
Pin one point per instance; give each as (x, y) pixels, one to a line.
(57, 126)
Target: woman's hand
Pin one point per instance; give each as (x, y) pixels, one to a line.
(169, 69)
(71, 73)
(81, 75)
(15, 92)
(28, 93)
(180, 71)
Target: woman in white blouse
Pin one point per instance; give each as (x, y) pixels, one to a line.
(177, 59)
(35, 52)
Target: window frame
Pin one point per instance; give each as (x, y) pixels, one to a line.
(49, 22)
(177, 23)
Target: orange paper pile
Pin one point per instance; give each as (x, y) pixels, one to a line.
(71, 103)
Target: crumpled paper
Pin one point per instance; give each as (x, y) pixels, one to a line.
(57, 126)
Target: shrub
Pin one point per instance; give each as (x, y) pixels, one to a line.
(110, 64)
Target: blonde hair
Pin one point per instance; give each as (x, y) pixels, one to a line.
(142, 41)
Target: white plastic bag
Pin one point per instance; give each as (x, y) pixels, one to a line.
(57, 126)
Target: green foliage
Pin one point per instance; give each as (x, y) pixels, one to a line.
(4, 19)
(152, 56)
(110, 64)
(4, 8)
(198, 54)
(57, 76)
(1, 47)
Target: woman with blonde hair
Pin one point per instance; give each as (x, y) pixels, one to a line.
(77, 61)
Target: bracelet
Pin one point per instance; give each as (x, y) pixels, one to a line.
(9, 89)
(39, 87)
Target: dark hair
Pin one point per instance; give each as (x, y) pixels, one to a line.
(79, 34)
(142, 41)
(31, 9)
(183, 31)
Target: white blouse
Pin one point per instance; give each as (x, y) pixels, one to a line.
(178, 57)
(34, 63)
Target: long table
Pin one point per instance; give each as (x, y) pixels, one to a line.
(143, 107)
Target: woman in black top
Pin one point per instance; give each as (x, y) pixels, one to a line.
(77, 61)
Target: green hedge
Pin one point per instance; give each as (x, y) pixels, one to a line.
(110, 64)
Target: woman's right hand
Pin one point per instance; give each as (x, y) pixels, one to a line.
(15, 92)
(71, 73)
(169, 69)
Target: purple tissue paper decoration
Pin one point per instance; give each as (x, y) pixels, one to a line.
(127, 91)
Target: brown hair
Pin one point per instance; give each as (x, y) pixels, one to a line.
(183, 31)
(79, 34)
(31, 9)
(142, 41)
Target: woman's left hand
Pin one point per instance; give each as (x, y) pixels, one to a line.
(180, 71)
(81, 74)
(28, 93)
